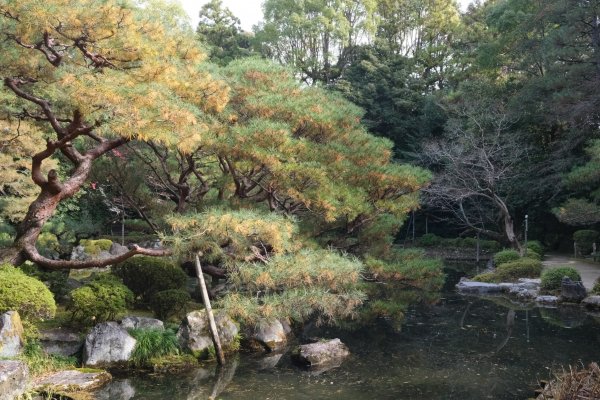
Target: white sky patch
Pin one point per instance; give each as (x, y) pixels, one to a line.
(248, 11)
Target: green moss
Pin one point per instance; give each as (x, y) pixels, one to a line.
(94, 247)
(505, 256)
(552, 278)
(489, 277)
(27, 295)
(522, 268)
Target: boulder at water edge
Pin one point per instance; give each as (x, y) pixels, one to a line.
(108, 343)
(13, 379)
(321, 354)
(572, 292)
(11, 334)
(269, 334)
(142, 323)
(72, 381)
(194, 334)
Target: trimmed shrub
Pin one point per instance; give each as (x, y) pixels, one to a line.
(522, 268)
(552, 278)
(94, 247)
(169, 302)
(506, 255)
(153, 343)
(430, 240)
(585, 238)
(27, 295)
(534, 255)
(102, 299)
(146, 276)
(488, 277)
(536, 246)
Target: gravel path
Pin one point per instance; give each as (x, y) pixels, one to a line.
(589, 271)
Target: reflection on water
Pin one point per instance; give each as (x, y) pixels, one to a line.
(458, 348)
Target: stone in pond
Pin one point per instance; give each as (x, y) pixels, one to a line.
(60, 341)
(480, 288)
(321, 354)
(592, 302)
(108, 343)
(72, 381)
(270, 334)
(572, 291)
(194, 335)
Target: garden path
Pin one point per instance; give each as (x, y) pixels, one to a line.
(589, 271)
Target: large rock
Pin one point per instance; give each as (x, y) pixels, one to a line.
(479, 288)
(572, 292)
(270, 335)
(72, 381)
(13, 379)
(194, 335)
(116, 249)
(321, 354)
(142, 323)
(592, 302)
(108, 343)
(547, 300)
(60, 341)
(11, 334)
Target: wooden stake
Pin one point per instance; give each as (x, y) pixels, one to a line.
(211, 318)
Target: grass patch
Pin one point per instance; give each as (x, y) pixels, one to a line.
(153, 344)
(41, 363)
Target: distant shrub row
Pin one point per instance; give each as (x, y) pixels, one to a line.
(432, 240)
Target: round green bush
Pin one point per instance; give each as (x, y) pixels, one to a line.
(522, 268)
(552, 278)
(536, 246)
(102, 299)
(506, 255)
(533, 254)
(94, 247)
(488, 277)
(146, 276)
(585, 238)
(27, 295)
(169, 302)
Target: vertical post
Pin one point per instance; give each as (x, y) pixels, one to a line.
(122, 221)
(526, 229)
(477, 248)
(575, 249)
(209, 313)
(413, 227)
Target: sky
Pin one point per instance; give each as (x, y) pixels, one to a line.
(248, 11)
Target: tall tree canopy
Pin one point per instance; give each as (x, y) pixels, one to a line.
(93, 76)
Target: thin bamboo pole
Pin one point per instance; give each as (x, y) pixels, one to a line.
(211, 318)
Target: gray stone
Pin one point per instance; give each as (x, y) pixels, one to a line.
(108, 343)
(11, 334)
(270, 335)
(116, 390)
(116, 249)
(592, 302)
(60, 341)
(194, 335)
(78, 253)
(142, 323)
(547, 300)
(572, 292)
(13, 379)
(285, 323)
(321, 354)
(472, 287)
(72, 381)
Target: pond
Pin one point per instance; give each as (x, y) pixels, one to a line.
(458, 348)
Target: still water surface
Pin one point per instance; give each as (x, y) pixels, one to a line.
(458, 348)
